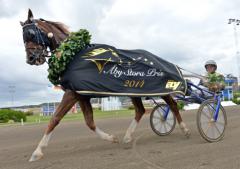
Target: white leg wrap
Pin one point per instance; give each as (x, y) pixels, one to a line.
(45, 140)
(184, 129)
(106, 136)
(37, 154)
(128, 136)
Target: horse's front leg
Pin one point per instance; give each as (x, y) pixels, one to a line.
(173, 106)
(68, 100)
(87, 110)
(139, 111)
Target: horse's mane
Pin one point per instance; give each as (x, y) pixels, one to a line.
(61, 26)
(60, 30)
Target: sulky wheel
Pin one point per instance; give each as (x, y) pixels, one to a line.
(161, 124)
(210, 129)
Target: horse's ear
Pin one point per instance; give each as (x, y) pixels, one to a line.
(30, 15)
(21, 23)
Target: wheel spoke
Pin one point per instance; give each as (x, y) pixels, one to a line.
(160, 112)
(204, 122)
(207, 129)
(156, 114)
(164, 125)
(221, 123)
(205, 119)
(168, 124)
(155, 122)
(170, 119)
(213, 132)
(219, 132)
(158, 127)
(210, 108)
(156, 117)
(208, 117)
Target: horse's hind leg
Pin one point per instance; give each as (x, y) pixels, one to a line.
(139, 111)
(173, 105)
(68, 100)
(87, 110)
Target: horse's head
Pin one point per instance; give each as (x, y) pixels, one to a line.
(36, 41)
(41, 37)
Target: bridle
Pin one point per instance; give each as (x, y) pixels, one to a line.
(31, 33)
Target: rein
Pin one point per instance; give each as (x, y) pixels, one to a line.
(197, 75)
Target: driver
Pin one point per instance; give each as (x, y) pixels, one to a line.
(213, 81)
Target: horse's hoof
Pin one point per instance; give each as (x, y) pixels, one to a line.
(185, 130)
(187, 133)
(114, 139)
(127, 140)
(36, 156)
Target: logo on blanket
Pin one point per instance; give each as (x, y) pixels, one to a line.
(115, 70)
(172, 84)
(100, 62)
(118, 73)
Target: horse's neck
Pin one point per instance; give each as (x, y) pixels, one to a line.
(57, 39)
(56, 42)
(58, 35)
(60, 38)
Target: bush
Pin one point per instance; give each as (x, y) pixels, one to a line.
(236, 95)
(236, 98)
(3, 117)
(131, 107)
(7, 114)
(29, 113)
(236, 101)
(16, 116)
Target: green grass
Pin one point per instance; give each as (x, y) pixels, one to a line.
(98, 114)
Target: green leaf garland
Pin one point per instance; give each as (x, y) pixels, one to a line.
(59, 60)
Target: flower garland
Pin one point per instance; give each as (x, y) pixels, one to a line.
(59, 60)
(215, 82)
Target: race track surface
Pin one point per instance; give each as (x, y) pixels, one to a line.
(74, 146)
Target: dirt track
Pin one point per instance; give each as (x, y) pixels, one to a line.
(73, 146)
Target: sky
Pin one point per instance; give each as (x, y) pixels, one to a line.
(186, 33)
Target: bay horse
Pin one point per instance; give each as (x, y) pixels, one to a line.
(42, 35)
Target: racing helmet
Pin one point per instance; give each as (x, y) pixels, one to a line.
(210, 62)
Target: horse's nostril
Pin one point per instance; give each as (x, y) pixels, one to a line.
(31, 58)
